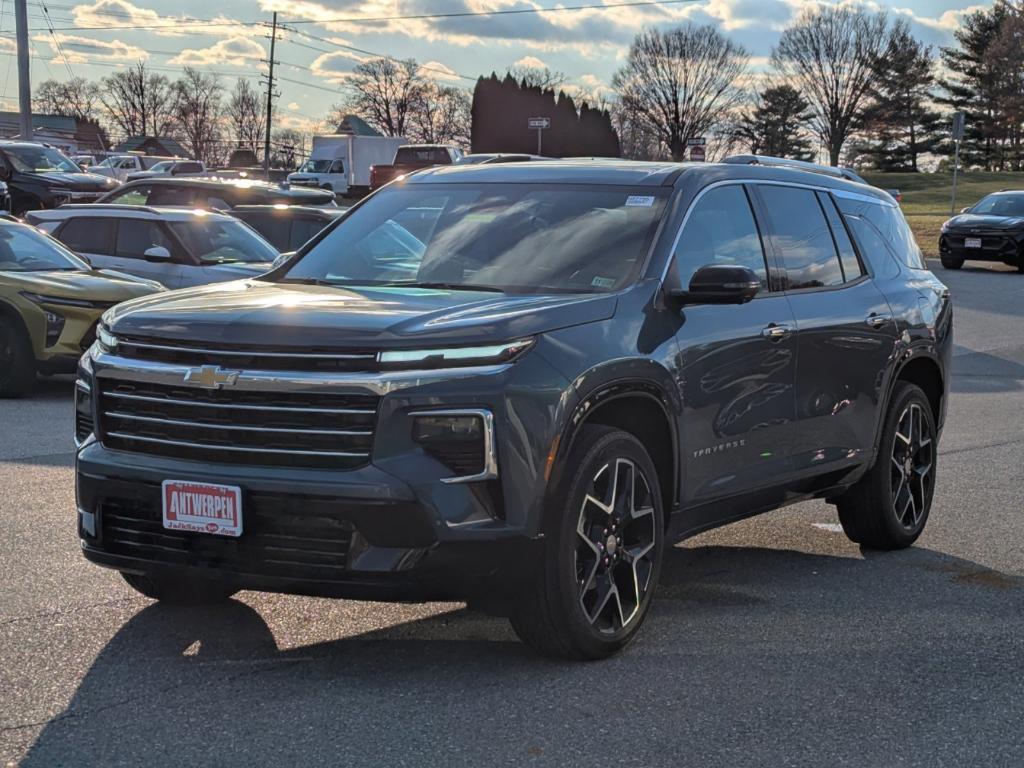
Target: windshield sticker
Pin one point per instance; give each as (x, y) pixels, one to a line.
(602, 282)
(639, 201)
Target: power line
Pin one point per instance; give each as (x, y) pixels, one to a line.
(173, 23)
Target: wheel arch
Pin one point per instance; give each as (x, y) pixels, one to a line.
(926, 373)
(643, 409)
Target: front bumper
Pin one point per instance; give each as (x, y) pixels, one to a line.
(1005, 247)
(357, 535)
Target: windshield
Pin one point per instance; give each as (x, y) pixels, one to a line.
(24, 249)
(315, 166)
(1000, 205)
(520, 238)
(39, 160)
(162, 167)
(110, 162)
(222, 241)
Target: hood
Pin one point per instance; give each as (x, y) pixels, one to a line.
(290, 316)
(969, 221)
(81, 182)
(93, 285)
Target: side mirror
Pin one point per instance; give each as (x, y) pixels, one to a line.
(157, 253)
(719, 284)
(965, 210)
(84, 258)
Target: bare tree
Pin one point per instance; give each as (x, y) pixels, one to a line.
(441, 116)
(384, 92)
(680, 83)
(246, 116)
(78, 98)
(537, 77)
(828, 55)
(287, 146)
(139, 102)
(200, 113)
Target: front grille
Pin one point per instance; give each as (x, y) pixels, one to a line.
(992, 244)
(280, 537)
(252, 357)
(236, 426)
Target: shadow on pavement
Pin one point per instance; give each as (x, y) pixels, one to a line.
(750, 656)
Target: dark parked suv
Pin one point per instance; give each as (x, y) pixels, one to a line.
(990, 230)
(517, 385)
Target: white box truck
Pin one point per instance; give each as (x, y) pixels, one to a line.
(341, 162)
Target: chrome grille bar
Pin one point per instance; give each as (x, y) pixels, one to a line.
(237, 449)
(207, 425)
(250, 353)
(237, 406)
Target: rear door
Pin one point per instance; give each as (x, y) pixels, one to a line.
(737, 368)
(93, 237)
(845, 329)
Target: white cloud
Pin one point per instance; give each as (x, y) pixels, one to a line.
(121, 13)
(435, 70)
(81, 50)
(529, 61)
(294, 106)
(235, 51)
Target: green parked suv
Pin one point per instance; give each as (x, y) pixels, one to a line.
(50, 302)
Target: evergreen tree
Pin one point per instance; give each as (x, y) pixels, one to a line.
(900, 120)
(775, 125)
(973, 85)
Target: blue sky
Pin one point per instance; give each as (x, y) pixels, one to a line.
(94, 38)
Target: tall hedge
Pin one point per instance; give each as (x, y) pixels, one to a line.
(502, 107)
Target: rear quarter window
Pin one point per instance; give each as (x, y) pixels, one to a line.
(891, 225)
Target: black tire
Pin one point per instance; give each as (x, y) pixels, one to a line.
(566, 610)
(17, 361)
(889, 506)
(327, 188)
(951, 262)
(181, 591)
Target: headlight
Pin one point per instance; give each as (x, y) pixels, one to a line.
(61, 301)
(451, 357)
(106, 340)
(945, 226)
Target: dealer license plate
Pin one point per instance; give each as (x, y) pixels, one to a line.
(972, 242)
(202, 507)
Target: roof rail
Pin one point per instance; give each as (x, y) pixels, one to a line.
(108, 206)
(800, 165)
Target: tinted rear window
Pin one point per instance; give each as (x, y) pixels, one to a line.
(88, 234)
(802, 238)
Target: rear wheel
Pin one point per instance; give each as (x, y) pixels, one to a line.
(602, 551)
(17, 361)
(183, 591)
(951, 262)
(889, 506)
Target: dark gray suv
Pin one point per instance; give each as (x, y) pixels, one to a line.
(516, 385)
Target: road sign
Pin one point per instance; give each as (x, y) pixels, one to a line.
(697, 154)
(539, 123)
(696, 141)
(959, 123)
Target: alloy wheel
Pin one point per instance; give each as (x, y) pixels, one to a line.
(615, 546)
(912, 461)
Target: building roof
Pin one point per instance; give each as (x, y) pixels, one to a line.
(166, 145)
(352, 125)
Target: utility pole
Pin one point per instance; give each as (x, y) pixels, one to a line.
(270, 98)
(24, 84)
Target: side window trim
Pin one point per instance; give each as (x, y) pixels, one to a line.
(776, 269)
(865, 266)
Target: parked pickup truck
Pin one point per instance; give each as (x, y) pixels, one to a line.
(413, 157)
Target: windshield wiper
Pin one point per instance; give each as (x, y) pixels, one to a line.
(444, 286)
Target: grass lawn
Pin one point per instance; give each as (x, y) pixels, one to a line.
(926, 197)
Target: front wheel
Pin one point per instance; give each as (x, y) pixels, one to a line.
(17, 361)
(951, 262)
(604, 537)
(889, 506)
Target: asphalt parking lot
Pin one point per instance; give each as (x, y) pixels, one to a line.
(774, 642)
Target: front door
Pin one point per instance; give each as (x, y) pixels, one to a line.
(846, 334)
(737, 366)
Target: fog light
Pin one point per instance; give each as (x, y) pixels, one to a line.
(462, 440)
(54, 327)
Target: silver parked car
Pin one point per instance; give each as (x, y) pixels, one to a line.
(176, 247)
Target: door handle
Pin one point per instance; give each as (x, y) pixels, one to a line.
(876, 320)
(775, 332)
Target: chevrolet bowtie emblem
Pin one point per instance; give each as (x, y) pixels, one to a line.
(211, 377)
